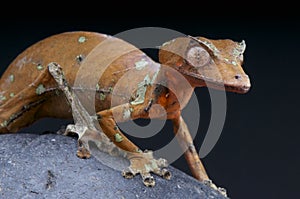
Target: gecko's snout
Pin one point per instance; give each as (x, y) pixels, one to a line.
(242, 83)
(238, 83)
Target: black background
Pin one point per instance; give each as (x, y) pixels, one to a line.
(257, 155)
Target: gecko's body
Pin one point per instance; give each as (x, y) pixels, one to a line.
(130, 85)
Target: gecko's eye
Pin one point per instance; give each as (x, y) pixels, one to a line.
(197, 56)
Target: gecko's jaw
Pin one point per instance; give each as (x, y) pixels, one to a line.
(241, 89)
(237, 89)
(240, 83)
(237, 86)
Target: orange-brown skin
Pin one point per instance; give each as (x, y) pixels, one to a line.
(28, 92)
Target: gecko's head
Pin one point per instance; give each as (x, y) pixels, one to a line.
(205, 62)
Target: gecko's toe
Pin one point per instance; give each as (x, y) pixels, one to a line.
(165, 173)
(223, 191)
(148, 180)
(127, 173)
(161, 170)
(213, 186)
(83, 151)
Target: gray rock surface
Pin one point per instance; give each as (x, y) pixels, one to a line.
(46, 166)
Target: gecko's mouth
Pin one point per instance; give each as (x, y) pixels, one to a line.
(241, 89)
(236, 87)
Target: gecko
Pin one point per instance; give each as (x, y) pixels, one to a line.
(42, 81)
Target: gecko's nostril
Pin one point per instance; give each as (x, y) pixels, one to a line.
(237, 76)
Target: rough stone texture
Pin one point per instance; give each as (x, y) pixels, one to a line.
(46, 166)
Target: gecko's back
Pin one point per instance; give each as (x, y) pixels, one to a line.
(67, 49)
(28, 92)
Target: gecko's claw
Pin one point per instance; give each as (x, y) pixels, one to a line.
(83, 151)
(213, 186)
(145, 164)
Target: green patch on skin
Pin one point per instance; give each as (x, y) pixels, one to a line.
(148, 168)
(168, 42)
(126, 114)
(11, 95)
(154, 165)
(82, 39)
(239, 49)
(209, 45)
(2, 98)
(141, 64)
(110, 89)
(3, 124)
(141, 91)
(142, 88)
(57, 92)
(154, 77)
(40, 67)
(229, 61)
(11, 78)
(102, 96)
(40, 89)
(97, 87)
(118, 137)
(12, 117)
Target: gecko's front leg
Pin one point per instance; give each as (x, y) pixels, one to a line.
(84, 125)
(186, 142)
(142, 163)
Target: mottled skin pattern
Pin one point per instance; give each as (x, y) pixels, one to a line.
(29, 92)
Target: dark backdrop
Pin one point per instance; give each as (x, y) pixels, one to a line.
(257, 155)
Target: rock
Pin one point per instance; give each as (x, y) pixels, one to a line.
(46, 166)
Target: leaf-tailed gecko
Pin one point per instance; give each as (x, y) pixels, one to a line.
(43, 80)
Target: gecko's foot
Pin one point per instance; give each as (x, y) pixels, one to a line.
(71, 130)
(83, 134)
(213, 186)
(83, 151)
(145, 164)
